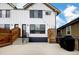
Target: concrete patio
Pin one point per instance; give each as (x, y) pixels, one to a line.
(34, 49)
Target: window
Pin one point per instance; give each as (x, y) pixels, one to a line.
(0, 13)
(39, 13)
(68, 30)
(31, 13)
(7, 13)
(35, 13)
(36, 28)
(4, 13)
(48, 12)
(7, 26)
(42, 28)
(32, 28)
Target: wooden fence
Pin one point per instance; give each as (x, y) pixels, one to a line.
(51, 35)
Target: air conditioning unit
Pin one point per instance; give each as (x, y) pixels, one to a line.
(48, 12)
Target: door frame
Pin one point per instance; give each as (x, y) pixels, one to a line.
(15, 25)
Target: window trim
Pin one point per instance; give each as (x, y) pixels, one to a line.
(68, 30)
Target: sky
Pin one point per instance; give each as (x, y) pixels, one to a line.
(20, 5)
(69, 12)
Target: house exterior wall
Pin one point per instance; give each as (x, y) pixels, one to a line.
(48, 20)
(74, 30)
(23, 17)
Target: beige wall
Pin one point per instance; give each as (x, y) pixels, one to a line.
(63, 31)
(74, 30)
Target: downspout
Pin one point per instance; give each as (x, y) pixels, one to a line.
(55, 24)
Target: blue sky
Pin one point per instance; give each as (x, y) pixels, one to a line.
(69, 11)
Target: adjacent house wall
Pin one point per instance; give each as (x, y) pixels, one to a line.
(74, 30)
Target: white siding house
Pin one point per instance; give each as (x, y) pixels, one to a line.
(35, 17)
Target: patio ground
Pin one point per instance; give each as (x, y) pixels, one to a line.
(35, 49)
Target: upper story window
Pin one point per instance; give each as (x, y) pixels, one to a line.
(0, 13)
(7, 13)
(68, 30)
(36, 14)
(4, 13)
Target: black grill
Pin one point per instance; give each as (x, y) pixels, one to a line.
(38, 39)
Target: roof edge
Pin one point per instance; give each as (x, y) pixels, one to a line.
(13, 6)
(47, 4)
